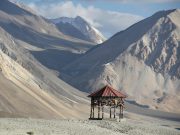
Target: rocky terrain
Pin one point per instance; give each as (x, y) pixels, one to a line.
(144, 125)
(28, 88)
(142, 60)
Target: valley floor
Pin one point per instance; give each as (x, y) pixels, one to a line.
(139, 125)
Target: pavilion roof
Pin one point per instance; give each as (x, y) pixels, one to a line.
(107, 91)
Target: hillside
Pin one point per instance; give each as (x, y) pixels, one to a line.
(142, 60)
(29, 89)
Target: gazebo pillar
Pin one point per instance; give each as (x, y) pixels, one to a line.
(110, 110)
(102, 111)
(98, 109)
(114, 111)
(91, 112)
(91, 109)
(122, 111)
(119, 111)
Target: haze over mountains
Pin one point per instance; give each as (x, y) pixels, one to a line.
(143, 61)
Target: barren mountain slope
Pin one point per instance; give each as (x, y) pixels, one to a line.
(40, 37)
(28, 88)
(143, 61)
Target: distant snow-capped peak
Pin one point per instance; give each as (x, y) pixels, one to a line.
(90, 32)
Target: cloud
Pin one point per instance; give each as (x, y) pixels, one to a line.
(108, 22)
(119, 1)
(146, 1)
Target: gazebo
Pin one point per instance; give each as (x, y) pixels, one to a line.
(107, 96)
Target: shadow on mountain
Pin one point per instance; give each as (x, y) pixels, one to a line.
(12, 8)
(54, 56)
(38, 39)
(55, 59)
(135, 103)
(150, 112)
(70, 30)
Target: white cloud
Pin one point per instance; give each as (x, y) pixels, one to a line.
(108, 22)
(119, 1)
(152, 1)
(139, 1)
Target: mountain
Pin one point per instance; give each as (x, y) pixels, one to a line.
(28, 43)
(44, 40)
(70, 30)
(79, 28)
(143, 61)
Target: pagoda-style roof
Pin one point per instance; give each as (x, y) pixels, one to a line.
(107, 91)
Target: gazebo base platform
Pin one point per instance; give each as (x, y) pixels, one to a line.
(95, 119)
(109, 119)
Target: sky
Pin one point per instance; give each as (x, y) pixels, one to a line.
(108, 16)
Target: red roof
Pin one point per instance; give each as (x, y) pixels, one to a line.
(107, 91)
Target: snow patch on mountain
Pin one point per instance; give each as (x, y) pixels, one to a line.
(91, 33)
